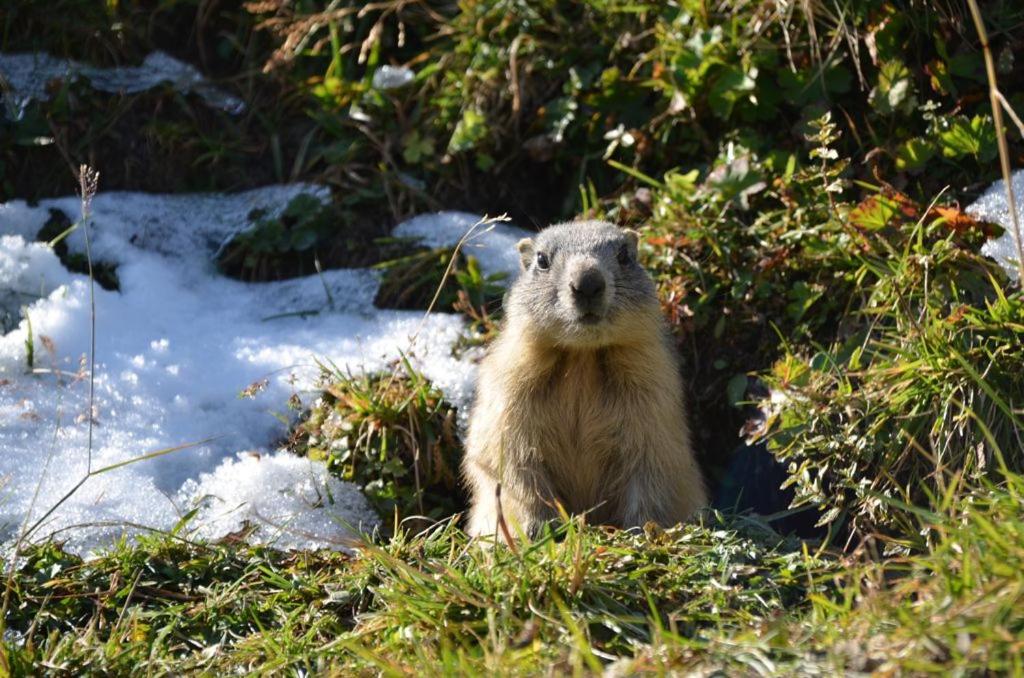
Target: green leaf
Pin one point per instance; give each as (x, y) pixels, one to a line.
(975, 137)
(801, 297)
(302, 205)
(805, 85)
(470, 131)
(484, 161)
(894, 92)
(914, 154)
(303, 239)
(732, 84)
(736, 180)
(736, 389)
(968, 65)
(417, 148)
(874, 212)
(940, 79)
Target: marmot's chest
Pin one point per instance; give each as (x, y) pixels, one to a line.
(580, 412)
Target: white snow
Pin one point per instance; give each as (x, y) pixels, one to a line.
(392, 77)
(174, 349)
(28, 75)
(296, 508)
(493, 244)
(993, 206)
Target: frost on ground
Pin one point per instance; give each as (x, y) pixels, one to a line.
(993, 206)
(28, 76)
(175, 347)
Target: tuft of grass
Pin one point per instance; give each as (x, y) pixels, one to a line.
(30, 344)
(915, 405)
(392, 434)
(164, 605)
(307, 236)
(956, 608)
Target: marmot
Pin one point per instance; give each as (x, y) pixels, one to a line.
(579, 400)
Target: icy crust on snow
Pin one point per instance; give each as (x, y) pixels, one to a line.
(28, 75)
(993, 206)
(175, 347)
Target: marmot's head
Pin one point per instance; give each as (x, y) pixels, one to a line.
(581, 285)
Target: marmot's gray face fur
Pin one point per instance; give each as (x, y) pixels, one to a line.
(581, 284)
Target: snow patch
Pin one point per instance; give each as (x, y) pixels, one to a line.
(493, 244)
(293, 499)
(392, 77)
(175, 347)
(28, 76)
(993, 206)
(29, 272)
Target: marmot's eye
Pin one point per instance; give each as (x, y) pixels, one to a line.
(624, 256)
(542, 261)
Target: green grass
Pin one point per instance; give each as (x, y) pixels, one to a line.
(726, 594)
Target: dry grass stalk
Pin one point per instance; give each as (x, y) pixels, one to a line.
(998, 101)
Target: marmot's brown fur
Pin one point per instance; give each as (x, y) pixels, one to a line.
(580, 401)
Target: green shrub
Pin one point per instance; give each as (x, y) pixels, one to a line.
(918, 402)
(743, 254)
(309, 235)
(502, 113)
(897, 375)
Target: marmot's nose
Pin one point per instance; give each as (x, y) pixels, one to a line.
(588, 286)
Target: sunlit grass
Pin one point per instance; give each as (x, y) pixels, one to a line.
(726, 594)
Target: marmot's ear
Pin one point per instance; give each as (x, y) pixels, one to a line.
(632, 237)
(525, 247)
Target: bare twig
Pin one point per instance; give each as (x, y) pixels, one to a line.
(1010, 112)
(502, 525)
